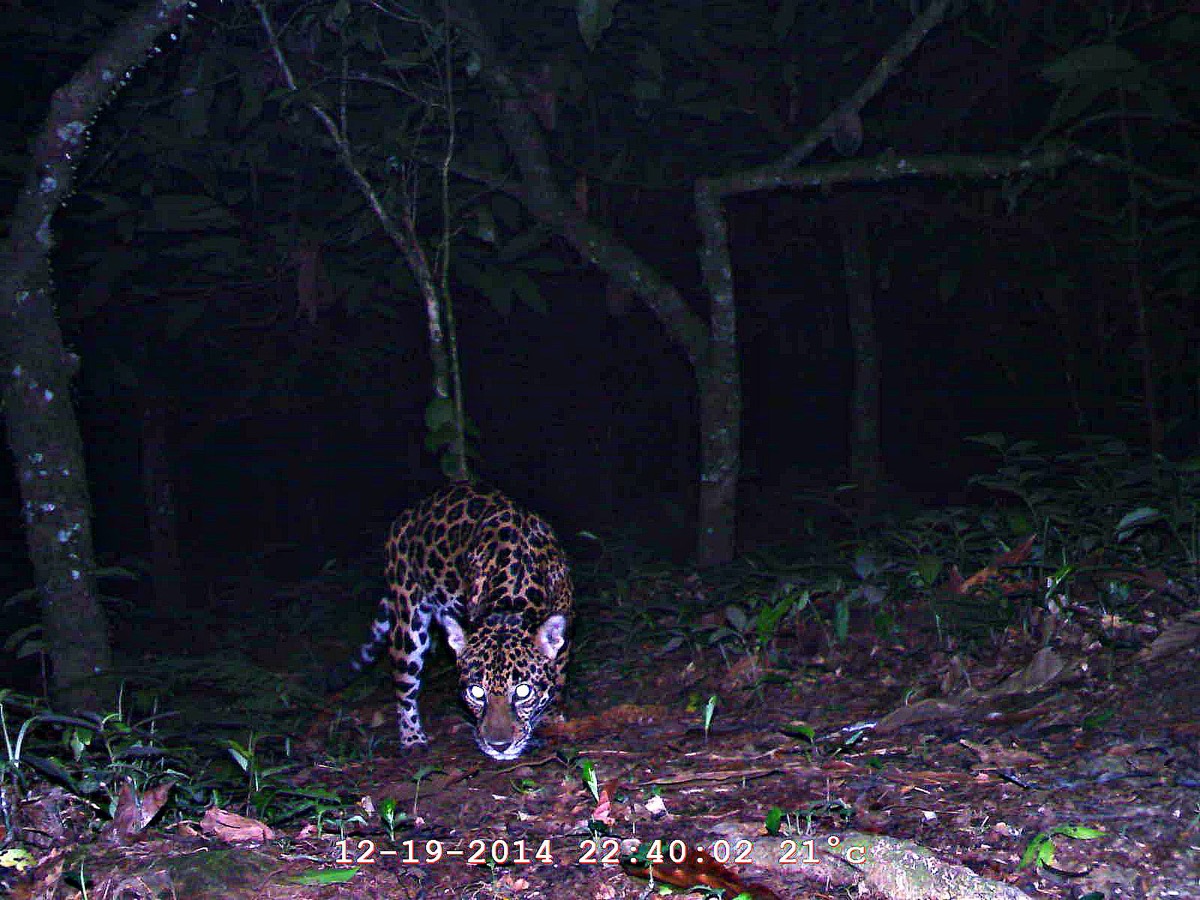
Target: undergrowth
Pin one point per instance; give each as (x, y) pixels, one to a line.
(1100, 521)
(1096, 525)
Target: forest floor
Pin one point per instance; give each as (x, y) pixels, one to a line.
(1078, 749)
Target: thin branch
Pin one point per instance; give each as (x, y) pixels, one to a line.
(887, 66)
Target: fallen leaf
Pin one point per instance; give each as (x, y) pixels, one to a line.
(1045, 666)
(696, 868)
(135, 811)
(1177, 638)
(231, 827)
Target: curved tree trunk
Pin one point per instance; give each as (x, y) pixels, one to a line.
(43, 432)
(714, 367)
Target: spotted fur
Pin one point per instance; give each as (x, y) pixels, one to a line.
(494, 578)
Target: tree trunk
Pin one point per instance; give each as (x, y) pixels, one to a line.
(720, 427)
(865, 444)
(718, 380)
(43, 433)
(158, 498)
(1155, 428)
(713, 357)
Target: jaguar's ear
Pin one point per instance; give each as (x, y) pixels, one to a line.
(552, 635)
(454, 635)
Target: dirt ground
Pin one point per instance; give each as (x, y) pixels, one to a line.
(1086, 750)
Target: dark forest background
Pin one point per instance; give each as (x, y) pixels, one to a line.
(220, 275)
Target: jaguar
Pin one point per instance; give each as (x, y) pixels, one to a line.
(494, 577)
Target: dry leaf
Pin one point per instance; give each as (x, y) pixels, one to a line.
(695, 869)
(231, 827)
(925, 711)
(1179, 637)
(1045, 666)
(135, 811)
(1003, 757)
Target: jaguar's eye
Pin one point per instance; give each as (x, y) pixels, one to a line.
(476, 693)
(522, 692)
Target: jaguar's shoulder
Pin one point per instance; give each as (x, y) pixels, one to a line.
(483, 549)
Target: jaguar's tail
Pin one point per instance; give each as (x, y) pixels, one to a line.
(343, 674)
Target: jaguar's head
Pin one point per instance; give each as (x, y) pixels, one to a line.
(509, 674)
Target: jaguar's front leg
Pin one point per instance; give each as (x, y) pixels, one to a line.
(410, 640)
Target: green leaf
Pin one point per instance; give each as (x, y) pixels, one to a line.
(768, 618)
(1081, 66)
(117, 571)
(1131, 521)
(32, 647)
(439, 413)
(709, 708)
(800, 730)
(864, 564)
(993, 439)
(240, 757)
(523, 244)
(928, 567)
(488, 281)
(18, 637)
(482, 225)
(774, 818)
(1097, 719)
(1080, 832)
(544, 264)
(841, 619)
(1033, 851)
(325, 876)
(441, 437)
(589, 777)
(408, 60)
(251, 106)
(527, 291)
(594, 18)
(17, 859)
(692, 90)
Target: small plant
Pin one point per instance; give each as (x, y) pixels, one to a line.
(1040, 851)
(262, 791)
(392, 818)
(525, 786)
(588, 771)
(800, 731)
(422, 773)
(774, 820)
(709, 708)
